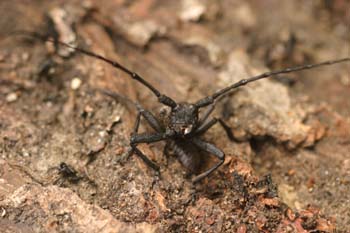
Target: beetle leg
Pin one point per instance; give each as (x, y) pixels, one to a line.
(210, 148)
(206, 126)
(144, 138)
(150, 118)
(206, 114)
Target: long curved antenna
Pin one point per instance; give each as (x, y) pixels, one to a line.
(210, 99)
(161, 98)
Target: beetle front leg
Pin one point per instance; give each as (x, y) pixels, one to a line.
(137, 138)
(147, 138)
(206, 114)
(206, 126)
(145, 159)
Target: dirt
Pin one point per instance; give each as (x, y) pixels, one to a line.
(63, 142)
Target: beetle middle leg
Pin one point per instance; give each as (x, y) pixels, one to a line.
(210, 148)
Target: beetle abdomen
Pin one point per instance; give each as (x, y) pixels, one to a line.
(186, 153)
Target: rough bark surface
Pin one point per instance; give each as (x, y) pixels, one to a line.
(287, 170)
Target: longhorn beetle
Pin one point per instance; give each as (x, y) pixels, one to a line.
(184, 126)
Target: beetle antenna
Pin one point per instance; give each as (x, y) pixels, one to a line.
(210, 99)
(161, 98)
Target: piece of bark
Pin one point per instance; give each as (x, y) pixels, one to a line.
(55, 209)
(264, 108)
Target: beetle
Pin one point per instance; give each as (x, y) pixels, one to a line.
(183, 125)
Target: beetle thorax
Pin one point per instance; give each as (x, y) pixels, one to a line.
(183, 119)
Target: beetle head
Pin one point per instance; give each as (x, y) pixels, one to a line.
(183, 119)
